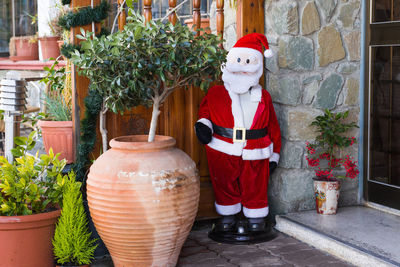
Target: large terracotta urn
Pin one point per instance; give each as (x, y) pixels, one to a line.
(26, 240)
(143, 199)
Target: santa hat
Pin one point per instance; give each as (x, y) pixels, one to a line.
(255, 41)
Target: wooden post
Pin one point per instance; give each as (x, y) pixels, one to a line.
(250, 17)
(196, 15)
(122, 16)
(80, 84)
(172, 16)
(220, 18)
(147, 10)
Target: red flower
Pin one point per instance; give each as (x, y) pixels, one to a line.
(325, 156)
(324, 173)
(312, 162)
(352, 140)
(333, 163)
(351, 167)
(310, 149)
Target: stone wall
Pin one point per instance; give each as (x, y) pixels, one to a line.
(229, 23)
(316, 66)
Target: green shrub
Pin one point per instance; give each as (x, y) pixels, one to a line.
(30, 184)
(72, 243)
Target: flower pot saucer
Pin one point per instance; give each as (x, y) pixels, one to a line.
(241, 235)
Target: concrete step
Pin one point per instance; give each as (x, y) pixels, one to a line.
(361, 235)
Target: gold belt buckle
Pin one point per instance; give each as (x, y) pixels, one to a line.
(243, 139)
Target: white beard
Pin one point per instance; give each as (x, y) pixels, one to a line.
(238, 82)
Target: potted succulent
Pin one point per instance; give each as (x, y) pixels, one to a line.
(31, 188)
(143, 193)
(72, 243)
(326, 155)
(56, 123)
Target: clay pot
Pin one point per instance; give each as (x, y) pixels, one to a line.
(26, 48)
(49, 47)
(143, 199)
(326, 196)
(59, 136)
(205, 23)
(26, 240)
(86, 265)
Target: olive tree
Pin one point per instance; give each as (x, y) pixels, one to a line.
(144, 63)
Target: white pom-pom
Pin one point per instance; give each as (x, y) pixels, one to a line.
(268, 53)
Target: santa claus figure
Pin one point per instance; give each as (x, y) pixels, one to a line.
(238, 125)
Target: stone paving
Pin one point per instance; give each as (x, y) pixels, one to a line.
(284, 250)
(200, 251)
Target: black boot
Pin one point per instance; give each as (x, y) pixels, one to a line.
(257, 224)
(226, 223)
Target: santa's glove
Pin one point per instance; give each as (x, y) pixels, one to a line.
(203, 132)
(272, 166)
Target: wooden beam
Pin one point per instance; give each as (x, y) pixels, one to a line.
(80, 84)
(250, 17)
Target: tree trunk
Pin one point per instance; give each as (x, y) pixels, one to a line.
(154, 118)
(103, 129)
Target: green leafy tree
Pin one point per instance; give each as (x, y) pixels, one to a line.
(144, 63)
(72, 243)
(30, 184)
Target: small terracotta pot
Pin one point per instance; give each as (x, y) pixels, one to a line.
(49, 47)
(143, 199)
(26, 240)
(204, 24)
(25, 48)
(326, 196)
(59, 136)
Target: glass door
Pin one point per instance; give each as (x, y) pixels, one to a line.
(383, 165)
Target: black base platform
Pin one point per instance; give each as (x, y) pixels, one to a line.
(241, 236)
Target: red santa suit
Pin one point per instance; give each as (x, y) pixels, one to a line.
(240, 170)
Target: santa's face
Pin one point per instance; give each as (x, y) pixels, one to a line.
(243, 69)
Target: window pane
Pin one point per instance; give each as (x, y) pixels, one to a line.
(5, 25)
(24, 10)
(385, 115)
(386, 10)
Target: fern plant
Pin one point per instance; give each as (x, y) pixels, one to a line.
(72, 243)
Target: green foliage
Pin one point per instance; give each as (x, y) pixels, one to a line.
(67, 49)
(56, 108)
(331, 128)
(55, 77)
(65, 2)
(72, 243)
(84, 16)
(147, 60)
(30, 184)
(93, 104)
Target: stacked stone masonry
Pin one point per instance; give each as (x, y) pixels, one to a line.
(316, 65)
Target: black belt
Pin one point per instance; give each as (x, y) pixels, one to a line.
(240, 134)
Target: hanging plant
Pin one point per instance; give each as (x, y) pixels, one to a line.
(85, 16)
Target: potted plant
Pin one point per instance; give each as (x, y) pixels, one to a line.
(24, 48)
(143, 193)
(326, 155)
(31, 188)
(72, 243)
(56, 124)
(49, 44)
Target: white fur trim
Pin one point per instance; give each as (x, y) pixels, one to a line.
(228, 209)
(274, 157)
(255, 93)
(247, 50)
(268, 53)
(234, 149)
(237, 111)
(258, 153)
(207, 122)
(255, 213)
